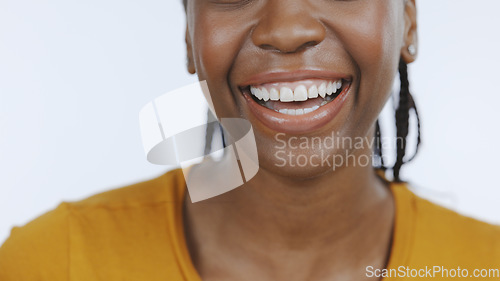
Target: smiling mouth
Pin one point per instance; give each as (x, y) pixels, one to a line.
(299, 97)
(296, 102)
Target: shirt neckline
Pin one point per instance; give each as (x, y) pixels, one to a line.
(403, 222)
(403, 228)
(402, 233)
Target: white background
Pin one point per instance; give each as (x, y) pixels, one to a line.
(74, 75)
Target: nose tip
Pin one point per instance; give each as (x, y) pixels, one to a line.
(288, 31)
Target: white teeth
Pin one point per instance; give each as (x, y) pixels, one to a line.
(256, 92)
(265, 94)
(299, 111)
(313, 92)
(274, 94)
(286, 94)
(329, 88)
(300, 93)
(322, 90)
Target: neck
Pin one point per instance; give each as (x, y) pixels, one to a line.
(279, 209)
(327, 215)
(288, 211)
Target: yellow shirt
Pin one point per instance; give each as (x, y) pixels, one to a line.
(136, 233)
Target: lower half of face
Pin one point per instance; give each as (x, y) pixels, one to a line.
(310, 76)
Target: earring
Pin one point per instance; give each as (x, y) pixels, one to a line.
(412, 50)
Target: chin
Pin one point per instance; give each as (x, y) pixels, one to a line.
(301, 164)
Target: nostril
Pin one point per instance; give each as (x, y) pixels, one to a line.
(286, 51)
(307, 45)
(267, 47)
(279, 34)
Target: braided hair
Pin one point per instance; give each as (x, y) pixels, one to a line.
(406, 105)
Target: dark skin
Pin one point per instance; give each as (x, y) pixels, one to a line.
(298, 223)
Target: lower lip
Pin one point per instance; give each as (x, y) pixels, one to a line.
(298, 124)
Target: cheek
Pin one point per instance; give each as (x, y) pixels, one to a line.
(215, 44)
(209, 52)
(216, 41)
(373, 37)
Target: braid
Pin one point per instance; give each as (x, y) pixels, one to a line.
(211, 129)
(406, 104)
(378, 145)
(209, 135)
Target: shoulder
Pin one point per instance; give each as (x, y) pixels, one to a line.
(36, 246)
(89, 230)
(442, 236)
(165, 188)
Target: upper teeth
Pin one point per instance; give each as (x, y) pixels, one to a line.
(300, 93)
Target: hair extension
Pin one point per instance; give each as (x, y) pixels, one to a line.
(406, 104)
(211, 129)
(378, 146)
(209, 135)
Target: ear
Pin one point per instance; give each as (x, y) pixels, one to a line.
(189, 53)
(410, 32)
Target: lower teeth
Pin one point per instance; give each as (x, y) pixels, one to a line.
(305, 110)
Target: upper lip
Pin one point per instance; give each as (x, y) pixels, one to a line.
(291, 76)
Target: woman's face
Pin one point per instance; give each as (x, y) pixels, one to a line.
(291, 53)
